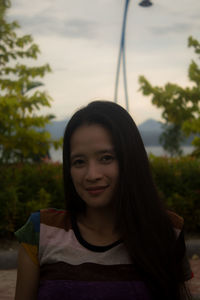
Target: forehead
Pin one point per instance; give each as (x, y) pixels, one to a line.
(94, 137)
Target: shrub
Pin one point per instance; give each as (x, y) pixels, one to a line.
(26, 188)
(29, 187)
(178, 182)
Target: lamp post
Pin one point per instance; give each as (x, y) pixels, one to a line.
(143, 3)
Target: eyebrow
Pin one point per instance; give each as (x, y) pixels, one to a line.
(103, 151)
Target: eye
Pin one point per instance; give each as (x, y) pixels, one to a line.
(107, 158)
(78, 163)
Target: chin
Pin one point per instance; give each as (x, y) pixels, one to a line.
(103, 205)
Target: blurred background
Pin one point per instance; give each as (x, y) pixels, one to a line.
(57, 56)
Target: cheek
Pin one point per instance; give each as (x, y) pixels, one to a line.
(76, 176)
(115, 172)
(73, 177)
(75, 182)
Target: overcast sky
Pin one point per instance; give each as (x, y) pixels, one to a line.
(80, 40)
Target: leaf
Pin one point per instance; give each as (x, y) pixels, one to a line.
(180, 105)
(22, 131)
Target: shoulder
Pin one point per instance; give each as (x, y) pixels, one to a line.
(29, 232)
(28, 236)
(55, 217)
(34, 220)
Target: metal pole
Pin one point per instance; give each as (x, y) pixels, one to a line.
(124, 58)
(125, 81)
(144, 3)
(122, 52)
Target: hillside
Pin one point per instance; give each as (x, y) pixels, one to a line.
(150, 131)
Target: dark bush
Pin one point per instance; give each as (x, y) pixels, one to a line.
(25, 188)
(178, 182)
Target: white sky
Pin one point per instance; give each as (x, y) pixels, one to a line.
(80, 40)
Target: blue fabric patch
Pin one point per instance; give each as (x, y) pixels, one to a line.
(35, 219)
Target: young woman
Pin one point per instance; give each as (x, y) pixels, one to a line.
(115, 240)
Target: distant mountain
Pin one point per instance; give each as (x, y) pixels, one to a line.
(150, 131)
(57, 128)
(150, 125)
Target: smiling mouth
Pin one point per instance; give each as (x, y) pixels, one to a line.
(96, 190)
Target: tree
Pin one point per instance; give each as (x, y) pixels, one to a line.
(171, 138)
(181, 106)
(22, 131)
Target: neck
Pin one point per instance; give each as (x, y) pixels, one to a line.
(99, 220)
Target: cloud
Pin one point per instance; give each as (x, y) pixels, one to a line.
(175, 28)
(79, 28)
(43, 24)
(195, 17)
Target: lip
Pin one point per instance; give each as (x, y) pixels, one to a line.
(96, 190)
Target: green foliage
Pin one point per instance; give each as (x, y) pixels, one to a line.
(22, 133)
(180, 106)
(26, 188)
(171, 139)
(29, 187)
(178, 183)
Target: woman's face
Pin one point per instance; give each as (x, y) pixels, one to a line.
(94, 166)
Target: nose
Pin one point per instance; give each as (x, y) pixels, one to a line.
(93, 172)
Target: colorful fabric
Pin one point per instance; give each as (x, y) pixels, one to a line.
(71, 268)
(28, 236)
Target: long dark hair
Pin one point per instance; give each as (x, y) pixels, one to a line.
(141, 217)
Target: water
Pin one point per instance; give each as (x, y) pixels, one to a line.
(159, 151)
(56, 155)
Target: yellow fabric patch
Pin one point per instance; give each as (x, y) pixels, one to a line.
(32, 251)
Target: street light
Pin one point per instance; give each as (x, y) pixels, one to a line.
(144, 3)
(122, 52)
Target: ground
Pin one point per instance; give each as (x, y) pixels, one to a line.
(8, 244)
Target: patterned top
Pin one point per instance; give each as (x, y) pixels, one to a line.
(71, 268)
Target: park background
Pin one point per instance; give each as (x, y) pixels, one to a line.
(56, 56)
